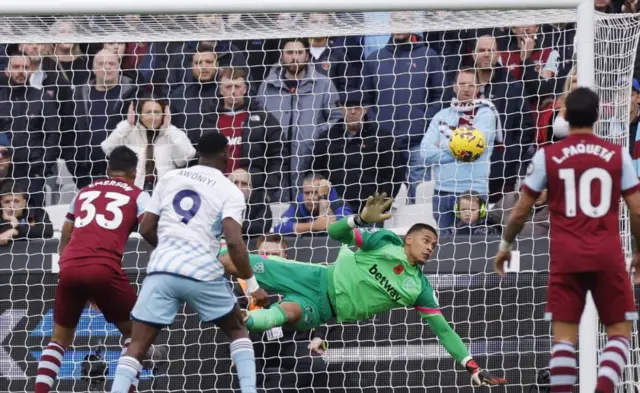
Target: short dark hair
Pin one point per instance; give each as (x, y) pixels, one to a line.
(123, 159)
(272, 238)
(204, 47)
(582, 108)
(303, 41)
(145, 96)
(11, 188)
(212, 143)
(421, 227)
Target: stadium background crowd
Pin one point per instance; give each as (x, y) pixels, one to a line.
(315, 125)
(318, 123)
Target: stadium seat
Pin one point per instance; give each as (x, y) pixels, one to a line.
(401, 198)
(405, 216)
(276, 210)
(57, 214)
(424, 192)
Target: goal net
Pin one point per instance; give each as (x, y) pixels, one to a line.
(315, 124)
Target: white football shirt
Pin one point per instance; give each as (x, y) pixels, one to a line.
(191, 204)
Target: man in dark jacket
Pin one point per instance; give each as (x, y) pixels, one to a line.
(28, 115)
(254, 134)
(45, 75)
(194, 104)
(405, 81)
(357, 156)
(499, 86)
(258, 217)
(99, 107)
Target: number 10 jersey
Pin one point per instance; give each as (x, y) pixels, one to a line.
(585, 176)
(191, 204)
(103, 214)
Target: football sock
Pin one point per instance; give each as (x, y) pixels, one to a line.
(49, 367)
(127, 373)
(612, 363)
(243, 357)
(265, 319)
(125, 346)
(563, 367)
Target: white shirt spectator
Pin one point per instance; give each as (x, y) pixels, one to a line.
(171, 149)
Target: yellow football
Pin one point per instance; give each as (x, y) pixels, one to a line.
(467, 144)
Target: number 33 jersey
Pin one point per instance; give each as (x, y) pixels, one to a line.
(584, 176)
(103, 214)
(191, 204)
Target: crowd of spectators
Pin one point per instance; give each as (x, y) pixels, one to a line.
(319, 123)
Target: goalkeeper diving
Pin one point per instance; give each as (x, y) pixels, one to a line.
(383, 274)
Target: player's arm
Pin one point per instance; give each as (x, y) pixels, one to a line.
(67, 227)
(346, 230)
(428, 308)
(149, 214)
(534, 184)
(630, 187)
(65, 236)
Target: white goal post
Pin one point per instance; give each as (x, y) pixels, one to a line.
(20, 15)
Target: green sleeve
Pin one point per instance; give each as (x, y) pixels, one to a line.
(429, 309)
(363, 238)
(447, 337)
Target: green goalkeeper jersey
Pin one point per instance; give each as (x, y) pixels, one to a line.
(377, 277)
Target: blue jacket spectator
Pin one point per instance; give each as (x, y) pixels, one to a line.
(456, 176)
(452, 177)
(318, 206)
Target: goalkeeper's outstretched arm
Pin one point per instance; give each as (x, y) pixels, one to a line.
(452, 342)
(375, 211)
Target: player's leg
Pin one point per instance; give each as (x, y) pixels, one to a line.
(613, 297)
(214, 301)
(284, 313)
(302, 284)
(155, 308)
(69, 303)
(565, 302)
(115, 285)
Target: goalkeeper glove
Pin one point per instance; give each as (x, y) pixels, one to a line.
(481, 377)
(375, 210)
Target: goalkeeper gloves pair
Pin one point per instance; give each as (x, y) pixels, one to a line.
(481, 377)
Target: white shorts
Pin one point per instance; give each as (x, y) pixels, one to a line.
(162, 296)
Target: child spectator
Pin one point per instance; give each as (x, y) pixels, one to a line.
(471, 215)
(18, 221)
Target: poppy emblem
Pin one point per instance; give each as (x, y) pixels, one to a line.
(398, 269)
(326, 66)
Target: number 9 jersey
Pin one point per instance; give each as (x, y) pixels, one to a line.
(191, 204)
(104, 213)
(585, 177)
